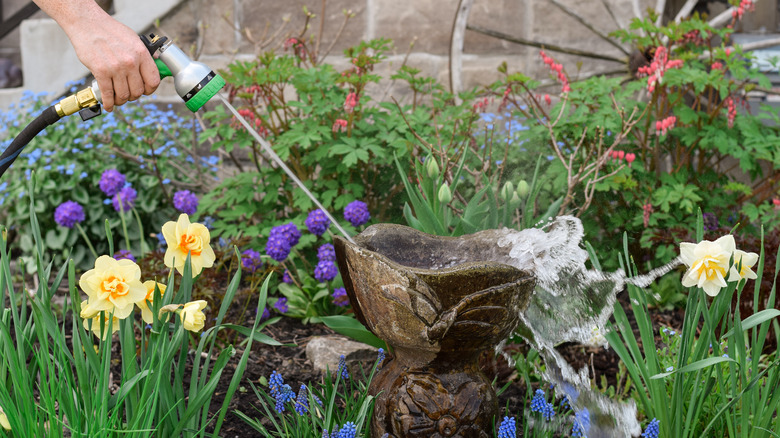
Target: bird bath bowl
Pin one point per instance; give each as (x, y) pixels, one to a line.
(439, 302)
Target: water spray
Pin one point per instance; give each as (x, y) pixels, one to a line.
(194, 82)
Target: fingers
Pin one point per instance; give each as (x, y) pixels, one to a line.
(149, 75)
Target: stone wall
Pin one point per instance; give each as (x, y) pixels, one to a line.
(211, 27)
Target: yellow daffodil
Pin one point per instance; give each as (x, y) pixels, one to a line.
(4, 420)
(192, 316)
(96, 322)
(707, 263)
(113, 286)
(146, 313)
(185, 238)
(749, 260)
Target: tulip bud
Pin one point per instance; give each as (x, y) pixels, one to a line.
(515, 199)
(432, 168)
(507, 190)
(445, 195)
(522, 189)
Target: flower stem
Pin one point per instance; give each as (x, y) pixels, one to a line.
(124, 225)
(89, 244)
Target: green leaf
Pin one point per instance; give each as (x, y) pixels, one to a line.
(704, 363)
(349, 326)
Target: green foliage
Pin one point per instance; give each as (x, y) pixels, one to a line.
(330, 405)
(713, 153)
(153, 147)
(707, 378)
(87, 389)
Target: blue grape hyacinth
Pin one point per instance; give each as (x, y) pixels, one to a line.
(652, 429)
(507, 428)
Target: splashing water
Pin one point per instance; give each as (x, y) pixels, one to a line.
(572, 304)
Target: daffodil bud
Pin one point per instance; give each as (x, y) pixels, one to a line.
(432, 167)
(445, 195)
(522, 189)
(507, 191)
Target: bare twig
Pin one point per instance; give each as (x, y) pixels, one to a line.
(347, 15)
(573, 14)
(322, 27)
(403, 63)
(546, 46)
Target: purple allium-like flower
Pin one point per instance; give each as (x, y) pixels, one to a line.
(286, 278)
(68, 214)
(710, 221)
(356, 212)
(281, 305)
(326, 252)
(340, 297)
(111, 182)
(125, 199)
(277, 247)
(317, 222)
(124, 254)
(289, 231)
(185, 201)
(265, 315)
(251, 260)
(325, 270)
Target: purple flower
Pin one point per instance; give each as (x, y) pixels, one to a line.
(124, 254)
(251, 260)
(281, 305)
(68, 214)
(277, 247)
(340, 297)
(356, 212)
(710, 221)
(325, 270)
(111, 182)
(326, 252)
(286, 278)
(317, 222)
(289, 231)
(266, 314)
(185, 201)
(125, 199)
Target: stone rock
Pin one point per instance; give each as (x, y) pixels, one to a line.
(324, 352)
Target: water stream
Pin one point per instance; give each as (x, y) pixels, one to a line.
(571, 303)
(270, 151)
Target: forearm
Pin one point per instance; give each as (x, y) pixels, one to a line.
(71, 15)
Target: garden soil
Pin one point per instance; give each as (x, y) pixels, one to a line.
(602, 364)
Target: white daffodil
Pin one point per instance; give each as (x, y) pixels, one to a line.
(707, 263)
(748, 259)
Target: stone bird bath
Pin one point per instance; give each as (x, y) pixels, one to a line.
(439, 302)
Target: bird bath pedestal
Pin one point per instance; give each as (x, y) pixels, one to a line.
(439, 302)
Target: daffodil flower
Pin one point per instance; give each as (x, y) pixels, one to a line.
(146, 313)
(4, 420)
(192, 316)
(185, 238)
(748, 260)
(112, 286)
(96, 321)
(707, 263)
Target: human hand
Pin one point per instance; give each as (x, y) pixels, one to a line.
(118, 59)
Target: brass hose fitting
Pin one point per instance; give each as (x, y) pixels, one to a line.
(76, 102)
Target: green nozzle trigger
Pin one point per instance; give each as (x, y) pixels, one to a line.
(164, 70)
